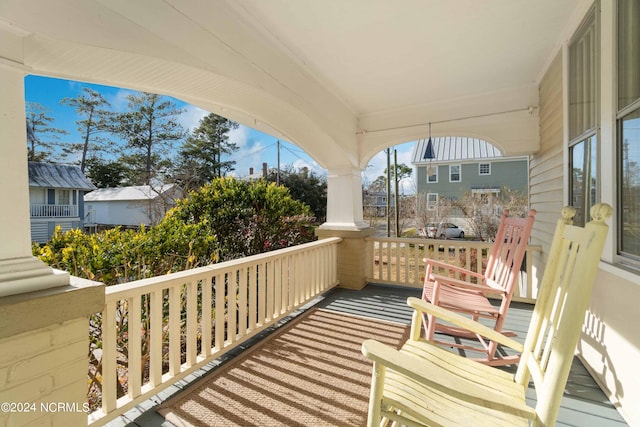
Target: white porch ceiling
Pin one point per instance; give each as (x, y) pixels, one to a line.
(316, 72)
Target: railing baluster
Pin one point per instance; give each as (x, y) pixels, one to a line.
(219, 311)
(262, 293)
(192, 322)
(277, 287)
(174, 330)
(242, 302)
(134, 370)
(109, 356)
(206, 316)
(270, 276)
(298, 278)
(155, 337)
(252, 289)
(232, 308)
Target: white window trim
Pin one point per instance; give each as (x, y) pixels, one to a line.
(480, 169)
(435, 172)
(434, 206)
(459, 173)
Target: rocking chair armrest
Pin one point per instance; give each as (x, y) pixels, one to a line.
(467, 285)
(452, 267)
(443, 381)
(420, 306)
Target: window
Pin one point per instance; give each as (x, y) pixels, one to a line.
(432, 201)
(432, 174)
(454, 173)
(583, 118)
(628, 153)
(583, 177)
(484, 168)
(64, 197)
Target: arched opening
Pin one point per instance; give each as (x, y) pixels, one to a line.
(458, 180)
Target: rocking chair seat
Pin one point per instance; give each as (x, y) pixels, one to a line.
(443, 389)
(461, 300)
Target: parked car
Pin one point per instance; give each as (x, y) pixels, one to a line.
(444, 230)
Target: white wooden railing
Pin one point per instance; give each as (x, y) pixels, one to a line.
(395, 261)
(54, 211)
(156, 331)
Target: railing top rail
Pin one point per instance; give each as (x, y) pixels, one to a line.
(442, 242)
(151, 284)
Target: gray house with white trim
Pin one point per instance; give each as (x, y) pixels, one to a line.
(466, 165)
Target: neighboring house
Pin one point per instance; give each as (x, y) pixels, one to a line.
(56, 198)
(466, 165)
(130, 206)
(375, 202)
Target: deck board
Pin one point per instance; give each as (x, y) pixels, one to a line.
(583, 402)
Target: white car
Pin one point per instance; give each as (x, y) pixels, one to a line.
(444, 230)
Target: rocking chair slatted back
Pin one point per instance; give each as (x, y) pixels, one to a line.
(559, 312)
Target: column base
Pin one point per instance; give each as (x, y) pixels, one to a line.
(353, 255)
(29, 274)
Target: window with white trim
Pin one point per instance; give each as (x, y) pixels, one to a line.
(583, 117)
(432, 201)
(432, 174)
(454, 173)
(628, 147)
(484, 169)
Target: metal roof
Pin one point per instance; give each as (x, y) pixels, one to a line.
(137, 192)
(49, 175)
(455, 148)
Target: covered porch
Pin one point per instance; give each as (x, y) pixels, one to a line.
(583, 402)
(342, 80)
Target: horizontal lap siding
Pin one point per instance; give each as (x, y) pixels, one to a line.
(546, 165)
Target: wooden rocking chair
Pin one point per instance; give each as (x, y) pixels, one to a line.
(449, 286)
(424, 384)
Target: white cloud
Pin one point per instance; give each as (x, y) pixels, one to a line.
(239, 136)
(190, 118)
(118, 99)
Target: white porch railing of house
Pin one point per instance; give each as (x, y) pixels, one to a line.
(185, 320)
(54, 211)
(396, 261)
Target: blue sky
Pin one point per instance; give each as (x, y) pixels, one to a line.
(255, 147)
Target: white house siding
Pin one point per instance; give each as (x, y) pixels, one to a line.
(120, 212)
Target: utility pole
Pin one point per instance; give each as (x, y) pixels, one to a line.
(278, 175)
(388, 213)
(395, 200)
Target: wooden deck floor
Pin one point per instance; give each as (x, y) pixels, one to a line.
(583, 404)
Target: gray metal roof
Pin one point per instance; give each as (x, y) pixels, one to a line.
(49, 175)
(136, 192)
(455, 148)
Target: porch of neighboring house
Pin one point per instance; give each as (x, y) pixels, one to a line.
(583, 402)
(55, 198)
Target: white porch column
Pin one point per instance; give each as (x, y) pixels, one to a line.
(344, 200)
(20, 272)
(345, 220)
